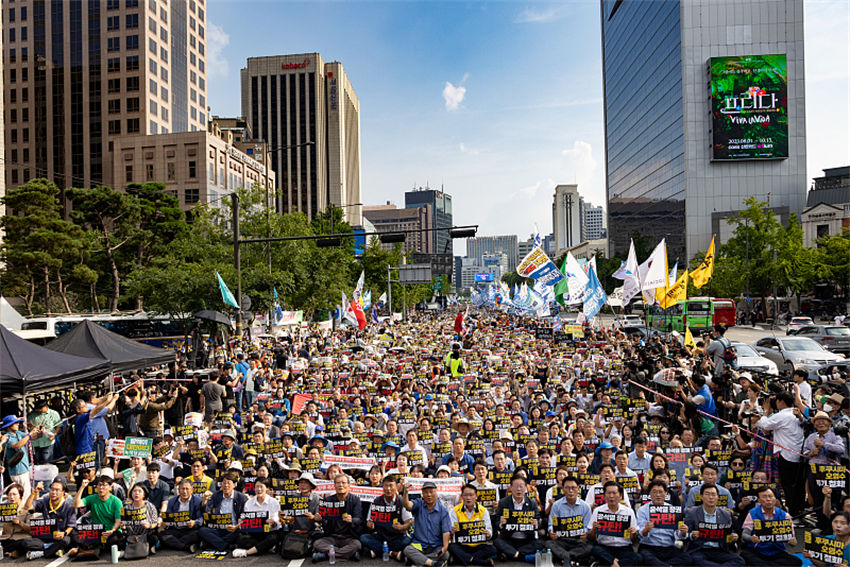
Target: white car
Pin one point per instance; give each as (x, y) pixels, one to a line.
(798, 322)
(748, 359)
(629, 320)
(791, 353)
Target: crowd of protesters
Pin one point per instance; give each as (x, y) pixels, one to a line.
(417, 443)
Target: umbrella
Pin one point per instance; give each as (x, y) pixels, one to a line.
(214, 316)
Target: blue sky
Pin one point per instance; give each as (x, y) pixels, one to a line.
(496, 101)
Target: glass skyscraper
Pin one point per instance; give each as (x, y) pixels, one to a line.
(662, 178)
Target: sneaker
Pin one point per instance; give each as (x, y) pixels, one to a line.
(318, 557)
(240, 552)
(356, 556)
(34, 555)
(60, 553)
(153, 550)
(121, 554)
(193, 549)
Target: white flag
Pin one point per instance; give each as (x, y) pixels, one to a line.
(631, 275)
(347, 311)
(656, 271)
(358, 289)
(576, 280)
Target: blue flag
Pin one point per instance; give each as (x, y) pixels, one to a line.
(594, 295)
(278, 312)
(226, 295)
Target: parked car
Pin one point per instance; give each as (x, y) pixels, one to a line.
(835, 338)
(790, 353)
(749, 359)
(642, 331)
(628, 320)
(797, 322)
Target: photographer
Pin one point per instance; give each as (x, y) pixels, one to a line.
(788, 436)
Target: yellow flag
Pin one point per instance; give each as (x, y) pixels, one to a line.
(703, 272)
(676, 292)
(689, 338)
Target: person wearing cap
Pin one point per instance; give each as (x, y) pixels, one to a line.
(387, 520)
(822, 447)
(341, 514)
(305, 519)
(13, 442)
(227, 501)
(56, 506)
(105, 509)
(472, 530)
(604, 455)
(46, 422)
(432, 527)
(183, 537)
(227, 450)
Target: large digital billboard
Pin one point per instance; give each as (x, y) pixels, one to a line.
(749, 107)
(483, 277)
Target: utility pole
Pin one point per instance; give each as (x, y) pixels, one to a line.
(237, 260)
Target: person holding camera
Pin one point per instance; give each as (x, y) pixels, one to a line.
(788, 438)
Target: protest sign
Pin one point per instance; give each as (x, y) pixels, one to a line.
(347, 463)
(824, 549)
(665, 517)
(571, 526)
(611, 524)
(43, 528)
(773, 531)
(471, 532)
(518, 520)
(138, 447)
(254, 522)
(176, 519)
(833, 476)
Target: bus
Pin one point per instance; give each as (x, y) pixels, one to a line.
(695, 312)
(160, 331)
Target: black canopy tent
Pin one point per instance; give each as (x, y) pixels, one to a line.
(27, 368)
(90, 340)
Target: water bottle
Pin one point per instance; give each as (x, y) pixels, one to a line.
(114, 554)
(1, 547)
(538, 559)
(332, 555)
(386, 550)
(548, 558)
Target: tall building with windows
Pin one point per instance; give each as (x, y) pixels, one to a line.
(389, 218)
(567, 217)
(80, 73)
(704, 106)
(440, 203)
(594, 222)
(478, 246)
(308, 113)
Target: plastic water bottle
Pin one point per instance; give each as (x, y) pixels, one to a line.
(386, 550)
(538, 559)
(113, 554)
(547, 557)
(1, 548)
(332, 555)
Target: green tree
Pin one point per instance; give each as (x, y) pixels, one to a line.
(113, 217)
(512, 278)
(757, 235)
(833, 253)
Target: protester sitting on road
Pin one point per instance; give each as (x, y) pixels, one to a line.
(432, 527)
(183, 534)
(228, 504)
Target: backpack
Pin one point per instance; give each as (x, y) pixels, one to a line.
(729, 356)
(68, 440)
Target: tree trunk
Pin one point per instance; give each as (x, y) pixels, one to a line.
(61, 288)
(116, 277)
(95, 305)
(30, 296)
(46, 289)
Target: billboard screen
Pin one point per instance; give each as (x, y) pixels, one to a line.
(749, 107)
(484, 277)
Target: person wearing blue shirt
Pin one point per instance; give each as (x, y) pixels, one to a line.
(432, 527)
(657, 545)
(99, 429)
(17, 441)
(466, 462)
(242, 371)
(566, 543)
(710, 475)
(84, 435)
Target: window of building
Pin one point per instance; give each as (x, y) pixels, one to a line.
(192, 58)
(163, 74)
(153, 108)
(193, 113)
(152, 87)
(114, 86)
(192, 40)
(25, 114)
(14, 176)
(133, 104)
(192, 196)
(14, 156)
(25, 133)
(132, 42)
(193, 169)
(13, 95)
(193, 77)
(201, 32)
(202, 84)
(113, 23)
(23, 33)
(212, 172)
(822, 230)
(149, 172)
(25, 74)
(132, 21)
(132, 84)
(152, 45)
(12, 14)
(11, 35)
(25, 54)
(201, 65)
(128, 173)
(191, 5)
(132, 62)
(152, 25)
(113, 44)
(114, 106)
(25, 94)
(163, 54)
(12, 75)
(112, 4)
(203, 118)
(193, 95)
(201, 47)
(163, 94)
(23, 13)
(114, 127)
(132, 3)
(12, 57)
(132, 125)
(163, 34)
(26, 155)
(26, 174)
(200, 14)
(113, 65)
(170, 168)
(14, 136)
(192, 24)
(163, 112)
(152, 6)
(152, 66)
(163, 14)
(13, 115)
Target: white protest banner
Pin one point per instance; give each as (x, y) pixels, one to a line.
(362, 463)
(365, 493)
(451, 485)
(193, 419)
(538, 266)
(115, 448)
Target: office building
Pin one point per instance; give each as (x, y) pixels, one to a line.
(567, 217)
(687, 139)
(2, 137)
(478, 246)
(308, 113)
(79, 74)
(462, 278)
(196, 167)
(441, 205)
(593, 222)
(389, 218)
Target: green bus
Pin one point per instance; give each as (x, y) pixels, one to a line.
(696, 313)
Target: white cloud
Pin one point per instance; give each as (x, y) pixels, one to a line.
(581, 165)
(217, 40)
(543, 16)
(464, 149)
(453, 95)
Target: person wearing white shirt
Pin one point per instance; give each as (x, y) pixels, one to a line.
(788, 438)
(611, 548)
(801, 379)
(606, 475)
(258, 543)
